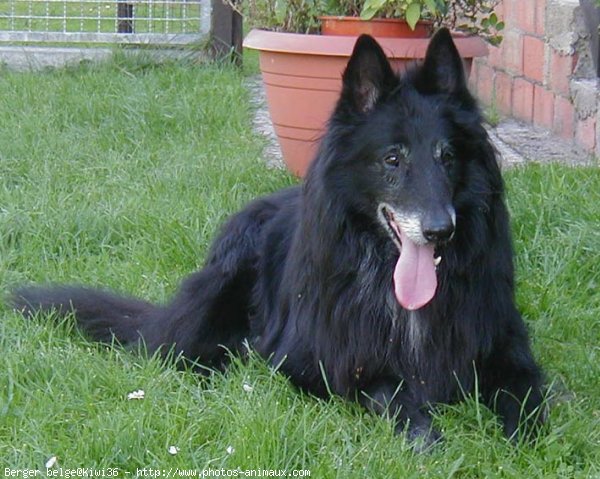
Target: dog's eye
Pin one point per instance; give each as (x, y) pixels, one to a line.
(444, 153)
(447, 156)
(395, 156)
(392, 159)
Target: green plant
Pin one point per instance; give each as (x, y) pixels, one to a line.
(476, 17)
(411, 10)
(473, 16)
(302, 16)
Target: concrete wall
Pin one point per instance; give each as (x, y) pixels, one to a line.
(543, 73)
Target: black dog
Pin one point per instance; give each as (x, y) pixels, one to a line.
(386, 278)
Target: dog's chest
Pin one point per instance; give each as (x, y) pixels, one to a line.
(414, 332)
(432, 356)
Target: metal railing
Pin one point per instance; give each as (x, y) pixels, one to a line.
(173, 22)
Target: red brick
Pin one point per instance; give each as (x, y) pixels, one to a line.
(494, 57)
(533, 58)
(503, 91)
(543, 107)
(499, 10)
(512, 50)
(564, 118)
(522, 99)
(524, 15)
(540, 17)
(508, 12)
(561, 68)
(585, 133)
(484, 82)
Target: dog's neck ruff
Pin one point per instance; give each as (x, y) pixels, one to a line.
(415, 278)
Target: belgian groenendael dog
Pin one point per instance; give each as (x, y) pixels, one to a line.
(386, 278)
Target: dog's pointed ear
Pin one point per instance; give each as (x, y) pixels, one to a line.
(368, 75)
(443, 70)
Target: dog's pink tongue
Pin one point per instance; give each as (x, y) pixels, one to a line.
(415, 280)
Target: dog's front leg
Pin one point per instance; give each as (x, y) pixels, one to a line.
(512, 386)
(388, 396)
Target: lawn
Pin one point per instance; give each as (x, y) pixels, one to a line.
(119, 175)
(98, 16)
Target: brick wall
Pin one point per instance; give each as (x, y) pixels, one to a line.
(542, 73)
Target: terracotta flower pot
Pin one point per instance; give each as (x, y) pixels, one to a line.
(302, 77)
(376, 27)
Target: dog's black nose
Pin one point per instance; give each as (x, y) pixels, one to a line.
(439, 231)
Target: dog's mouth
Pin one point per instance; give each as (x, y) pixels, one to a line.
(415, 278)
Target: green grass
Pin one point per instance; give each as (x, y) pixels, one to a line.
(97, 16)
(119, 175)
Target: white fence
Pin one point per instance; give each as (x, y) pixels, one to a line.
(151, 22)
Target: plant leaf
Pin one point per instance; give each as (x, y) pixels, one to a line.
(368, 12)
(281, 8)
(413, 14)
(432, 6)
(371, 8)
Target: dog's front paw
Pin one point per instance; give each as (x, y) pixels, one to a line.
(525, 426)
(422, 437)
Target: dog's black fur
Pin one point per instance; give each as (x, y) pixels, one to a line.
(306, 274)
